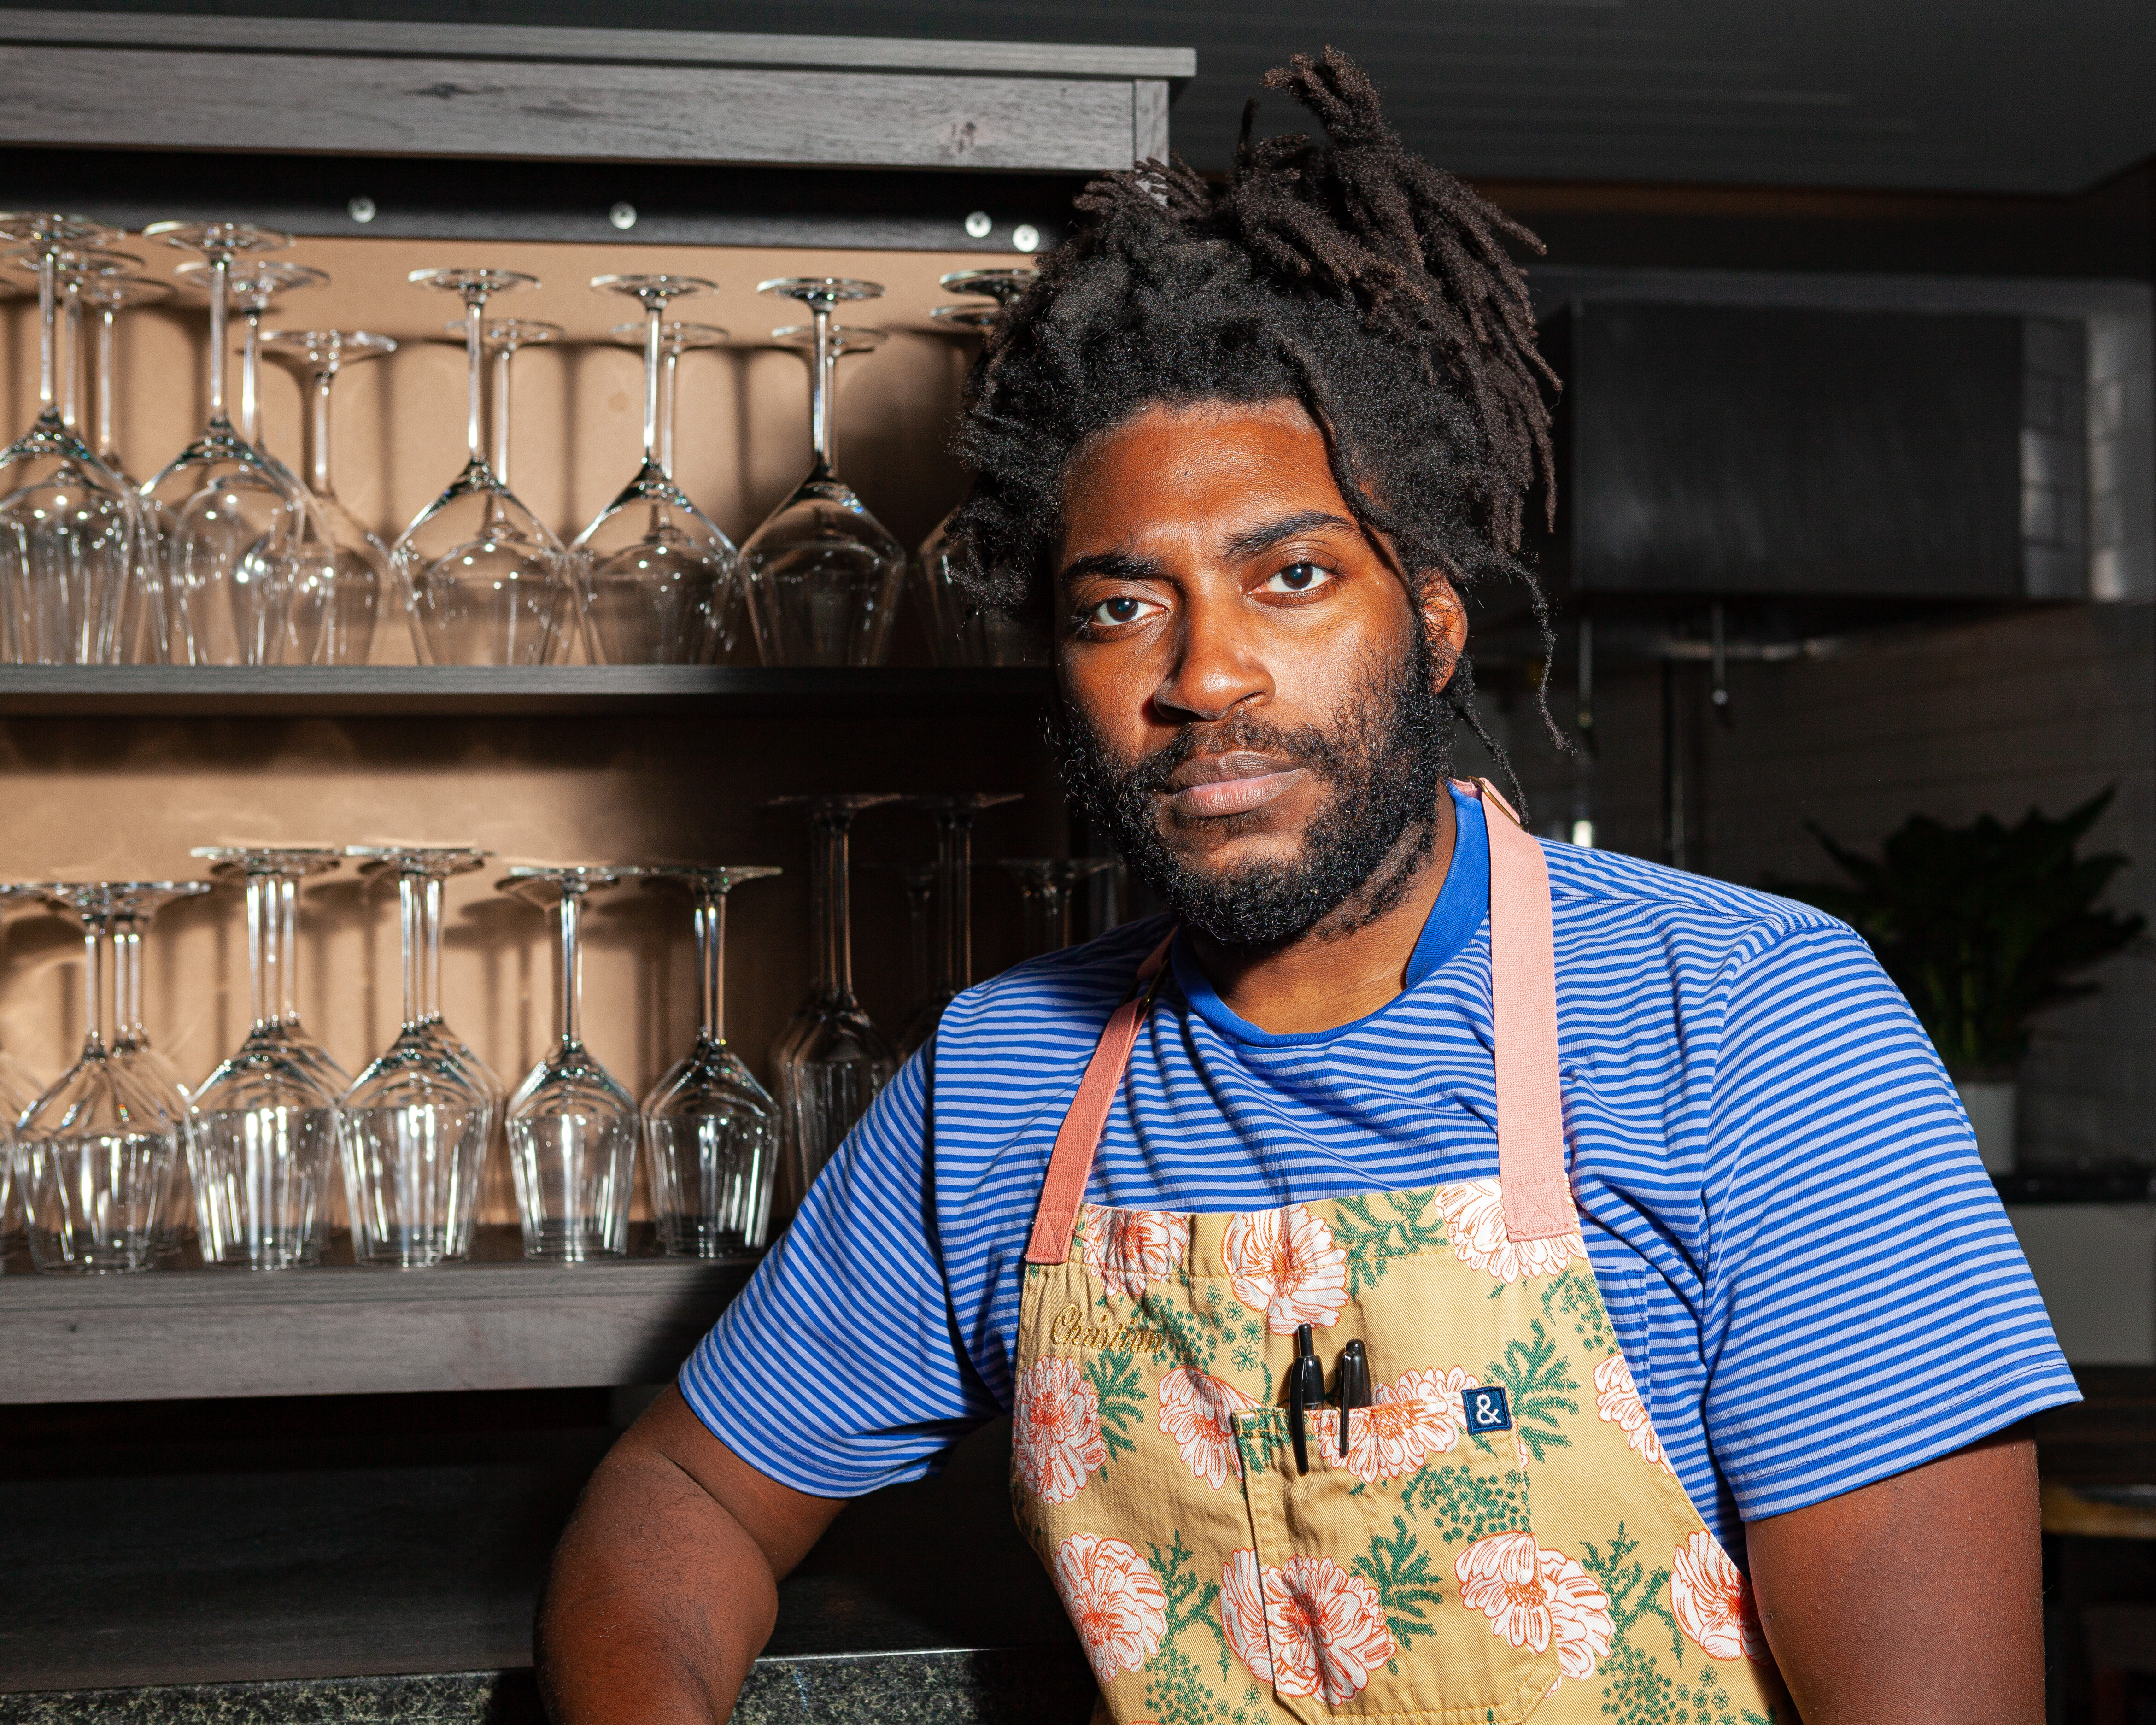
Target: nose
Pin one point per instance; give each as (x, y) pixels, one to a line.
(1216, 668)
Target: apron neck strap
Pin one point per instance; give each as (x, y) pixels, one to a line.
(1536, 1195)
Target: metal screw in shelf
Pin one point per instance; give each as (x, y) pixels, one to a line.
(1025, 237)
(361, 209)
(623, 216)
(977, 225)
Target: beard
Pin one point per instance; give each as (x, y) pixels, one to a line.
(1383, 758)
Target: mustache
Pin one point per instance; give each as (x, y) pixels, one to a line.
(1302, 746)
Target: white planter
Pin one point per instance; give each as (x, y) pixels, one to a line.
(1991, 1112)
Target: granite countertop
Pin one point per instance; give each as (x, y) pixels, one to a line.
(396, 1580)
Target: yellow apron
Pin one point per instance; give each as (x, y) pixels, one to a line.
(1502, 1537)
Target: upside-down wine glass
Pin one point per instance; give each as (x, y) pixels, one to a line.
(74, 269)
(337, 589)
(68, 525)
(957, 633)
(134, 907)
(953, 947)
(1046, 883)
(228, 517)
(710, 1131)
(657, 577)
(263, 1125)
(95, 1155)
(830, 1061)
(414, 1127)
(572, 1126)
(822, 575)
(487, 580)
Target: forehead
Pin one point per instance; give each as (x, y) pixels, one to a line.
(1205, 467)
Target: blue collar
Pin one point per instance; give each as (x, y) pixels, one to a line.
(1462, 905)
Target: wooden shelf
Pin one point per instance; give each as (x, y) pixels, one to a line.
(394, 691)
(176, 1335)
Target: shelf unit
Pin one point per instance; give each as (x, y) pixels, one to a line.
(413, 690)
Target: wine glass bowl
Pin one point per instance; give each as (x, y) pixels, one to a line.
(655, 575)
(342, 569)
(486, 580)
(572, 1128)
(822, 574)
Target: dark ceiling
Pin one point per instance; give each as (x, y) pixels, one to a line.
(1977, 95)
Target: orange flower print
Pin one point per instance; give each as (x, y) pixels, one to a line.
(1475, 1225)
(1327, 1629)
(1055, 1431)
(1114, 1601)
(1243, 1613)
(1713, 1601)
(1618, 1401)
(1128, 1248)
(1198, 1412)
(1284, 1264)
(1413, 1420)
(1533, 1597)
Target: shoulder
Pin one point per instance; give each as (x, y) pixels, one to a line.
(1617, 903)
(1066, 993)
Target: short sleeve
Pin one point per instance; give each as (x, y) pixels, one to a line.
(1867, 1307)
(838, 1370)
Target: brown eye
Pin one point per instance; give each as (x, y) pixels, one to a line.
(1299, 577)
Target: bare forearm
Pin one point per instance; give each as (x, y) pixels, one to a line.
(1918, 1597)
(658, 1604)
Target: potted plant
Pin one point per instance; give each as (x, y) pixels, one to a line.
(1982, 926)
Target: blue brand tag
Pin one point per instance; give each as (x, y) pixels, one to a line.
(1485, 1410)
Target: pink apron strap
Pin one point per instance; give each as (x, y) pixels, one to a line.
(1071, 1163)
(1523, 1010)
(1538, 1197)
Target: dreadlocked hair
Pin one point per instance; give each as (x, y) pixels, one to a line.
(1344, 272)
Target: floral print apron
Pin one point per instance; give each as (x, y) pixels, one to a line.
(1501, 1536)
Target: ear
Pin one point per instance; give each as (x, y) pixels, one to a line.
(1445, 624)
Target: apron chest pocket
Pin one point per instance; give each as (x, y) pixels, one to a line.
(1401, 1580)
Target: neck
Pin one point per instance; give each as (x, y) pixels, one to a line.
(1352, 961)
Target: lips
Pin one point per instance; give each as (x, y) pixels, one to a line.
(1208, 786)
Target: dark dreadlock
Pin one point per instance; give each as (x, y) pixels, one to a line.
(1346, 273)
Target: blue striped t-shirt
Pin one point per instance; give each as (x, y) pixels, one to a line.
(1805, 1265)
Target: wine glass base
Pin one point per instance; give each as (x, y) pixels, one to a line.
(414, 1248)
(53, 1256)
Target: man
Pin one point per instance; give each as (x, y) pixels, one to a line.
(1463, 1216)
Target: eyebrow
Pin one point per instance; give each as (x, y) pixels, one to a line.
(1251, 541)
(1111, 566)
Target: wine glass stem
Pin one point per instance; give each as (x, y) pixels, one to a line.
(125, 977)
(108, 349)
(408, 922)
(71, 390)
(673, 360)
(430, 951)
(475, 344)
(710, 965)
(954, 845)
(261, 948)
(835, 940)
(250, 376)
(288, 929)
(220, 274)
(572, 906)
(318, 433)
(819, 389)
(654, 310)
(501, 363)
(48, 328)
(93, 987)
